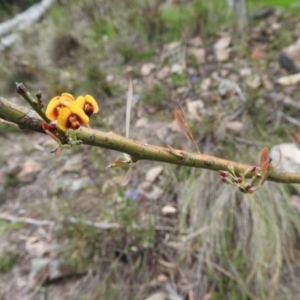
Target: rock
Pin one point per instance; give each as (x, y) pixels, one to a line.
(226, 89)
(172, 46)
(158, 296)
(163, 73)
(150, 191)
(162, 278)
(146, 69)
(153, 173)
(276, 26)
(29, 171)
(289, 80)
(13, 167)
(73, 164)
(206, 83)
(234, 127)
(37, 247)
(43, 269)
(195, 42)
(168, 210)
(224, 73)
(244, 72)
(129, 70)
(142, 122)
(223, 43)
(181, 90)
(222, 50)
(195, 108)
(207, 296)
(295, 199)
(199, 53)
(290, 161)
(289, 58)
(110, 78)
(254, 81)
(222, 54)
(263, 13)
(176, 69)
(267, 83)
(257, 54)
(210, 96)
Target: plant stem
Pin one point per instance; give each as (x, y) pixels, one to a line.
(138, 150)
(36, 105)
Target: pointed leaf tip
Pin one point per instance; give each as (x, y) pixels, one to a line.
(264, 156)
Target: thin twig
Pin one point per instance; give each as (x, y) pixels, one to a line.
(37, 222)
(98, 225)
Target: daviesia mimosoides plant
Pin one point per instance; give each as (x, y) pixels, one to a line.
(257, 175)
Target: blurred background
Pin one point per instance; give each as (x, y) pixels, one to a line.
(70, 231)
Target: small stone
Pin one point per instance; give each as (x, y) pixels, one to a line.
(110, 78)
(37, 247)
(223, 43)
(163, 73)
(234, 127)
(73, 164)
(181, 90)
(146, 69)
(287, 155)
(173, 46)
(176, 69)
(268, 83)
(199, 53)
(224, 72)
(29, 171)
(254, 81)
(142, 122)
(195, 108)
(153, 173)
(206, 83)
(129, 70)
(150, 191)
(295, 200)
(289, 58)
(162, 278)
(195, 42)
(222, 54)
(245, 72)
(13, 166)
(276, 26)
(257, 54)
(289, 80)
(157, 296)
(168, 210)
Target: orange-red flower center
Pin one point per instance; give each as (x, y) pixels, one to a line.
(88, 109)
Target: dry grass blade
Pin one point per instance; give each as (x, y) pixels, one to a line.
(183, 125)
(128, 106)
(127, 177)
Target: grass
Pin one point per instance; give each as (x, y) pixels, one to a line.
(244, 246)
(155, 94)
(8, 259)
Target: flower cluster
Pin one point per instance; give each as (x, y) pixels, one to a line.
(71, 113)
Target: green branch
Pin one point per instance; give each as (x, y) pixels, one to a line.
(138, 150)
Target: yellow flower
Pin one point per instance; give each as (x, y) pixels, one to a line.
(57, 103)
(71, 117)
(88, 104)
